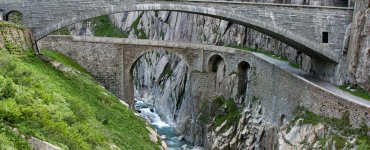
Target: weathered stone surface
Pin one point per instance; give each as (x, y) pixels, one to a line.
(270, 19)
(358, 57)
(185, 27)
(279, 88)
(15, 40)
(160, 80)
(37, 144)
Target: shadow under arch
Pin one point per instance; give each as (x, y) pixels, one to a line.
(217, 64)
(243, 69)
(214, 62)
(136, 59)
(14, 16)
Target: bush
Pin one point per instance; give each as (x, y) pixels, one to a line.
(66, 109)
(6, 88)
(9, 111)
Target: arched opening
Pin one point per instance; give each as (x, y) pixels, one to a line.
(14, 16)
(160, 79)
(342, 3)
(282, 120)
(216, 64)
(243, 71)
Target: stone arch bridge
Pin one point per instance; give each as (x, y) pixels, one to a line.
(280, 87)
(302, 27)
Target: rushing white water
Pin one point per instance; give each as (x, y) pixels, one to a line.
(153, 118)
(173, 141)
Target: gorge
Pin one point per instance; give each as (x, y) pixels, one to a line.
(217, 84)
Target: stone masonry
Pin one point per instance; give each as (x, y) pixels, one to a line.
(281, 89)
(301, 27)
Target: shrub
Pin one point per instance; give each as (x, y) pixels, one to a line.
(6, 88)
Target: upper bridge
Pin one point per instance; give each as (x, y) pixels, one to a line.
(316, 31)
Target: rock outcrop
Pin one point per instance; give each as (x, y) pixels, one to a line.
(160, 80)
(358, 55)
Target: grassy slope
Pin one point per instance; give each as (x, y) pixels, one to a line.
(69, 110)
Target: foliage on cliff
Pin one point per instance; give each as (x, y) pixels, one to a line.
(218, 110)
(341, 130)
(102, 26)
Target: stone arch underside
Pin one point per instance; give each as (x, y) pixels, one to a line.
(160, 79)
(140, 54)
(305, 44)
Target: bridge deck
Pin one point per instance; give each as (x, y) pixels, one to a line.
(315, 81)
(271, 4)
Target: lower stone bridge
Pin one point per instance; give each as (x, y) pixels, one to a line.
(280, 87)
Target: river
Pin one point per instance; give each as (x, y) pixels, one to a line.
(165, 130)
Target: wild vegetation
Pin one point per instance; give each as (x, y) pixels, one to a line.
(341, 127)
(218, 110)
(267, 53)
(102, 26)
(66, 108)
(355, 91)
(59, 106)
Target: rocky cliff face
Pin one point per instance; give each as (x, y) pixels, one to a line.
(358, 52)
(185, 27)
(160, 80)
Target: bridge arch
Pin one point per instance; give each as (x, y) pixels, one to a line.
(214, 63)
(243, 70)
(136, 58)
(217, 64)
(304, 44)
(14, 16)
(130, 85)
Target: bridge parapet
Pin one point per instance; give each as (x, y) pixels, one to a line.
(302, 27)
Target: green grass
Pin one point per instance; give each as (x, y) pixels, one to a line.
(358, 92)
(69, 110)
(63, 59)
(11, 25)
(267, 53)
(231, 114)
(62, 31)
(341, 125)
(104, 27)
(294, 65)
(9, 140)
(220, 109)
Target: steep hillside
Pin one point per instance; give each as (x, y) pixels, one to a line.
(62, 105)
